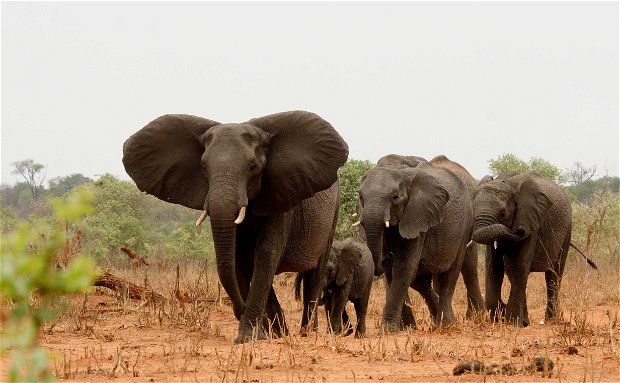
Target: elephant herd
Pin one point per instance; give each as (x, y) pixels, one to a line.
(270, 188)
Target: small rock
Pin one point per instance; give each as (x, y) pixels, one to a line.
(471, 366)
(493, 369)
(538, 364)
(516, 352)
(572, 350)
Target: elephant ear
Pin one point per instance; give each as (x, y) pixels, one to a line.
(532, 203)
(163, 159)
(304, 156)
(349, 261)
(425, 207)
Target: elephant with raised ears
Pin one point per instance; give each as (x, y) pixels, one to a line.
(269, 186)
(421, 216)
(525, 222)
(347, 276)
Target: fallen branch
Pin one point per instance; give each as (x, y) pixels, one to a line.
(127, 288)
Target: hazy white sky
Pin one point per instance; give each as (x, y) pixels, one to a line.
(469, 80)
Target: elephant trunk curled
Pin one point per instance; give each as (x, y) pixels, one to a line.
(485, 234)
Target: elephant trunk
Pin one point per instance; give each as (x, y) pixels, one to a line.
(374, 225)
(485, 234)
(223, 212)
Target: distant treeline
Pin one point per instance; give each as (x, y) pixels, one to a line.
(165, 232)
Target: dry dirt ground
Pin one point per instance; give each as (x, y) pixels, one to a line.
(102, 338)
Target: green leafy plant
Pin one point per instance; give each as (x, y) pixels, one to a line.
(31, 282)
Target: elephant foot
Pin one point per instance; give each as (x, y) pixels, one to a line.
(247, 332)
(360, 332)
(474, 308)
(408, 320)
(391, 327)
(518, 321)
(444, 318)
(348, 331)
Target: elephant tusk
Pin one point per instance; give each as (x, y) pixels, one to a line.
(202, 218)
(387, 223)
(241, 215)
(354, 215)
(495, 245)
(356, 224)
(471, 242)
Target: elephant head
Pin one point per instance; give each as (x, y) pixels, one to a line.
(409, 200)
(264, 166)
(510, 207)
(344, 259)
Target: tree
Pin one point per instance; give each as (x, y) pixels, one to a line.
(506, 163)
(579, 173)
(585, 190)
(509, 162)
(545, 169)
(349, 176)
(60, 186)
(33, 173)
(117, 218)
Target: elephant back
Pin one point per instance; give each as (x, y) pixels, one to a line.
(444, 162)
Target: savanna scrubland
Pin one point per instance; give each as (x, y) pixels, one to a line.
(179, 325)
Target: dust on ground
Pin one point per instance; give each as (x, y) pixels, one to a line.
(103, 338)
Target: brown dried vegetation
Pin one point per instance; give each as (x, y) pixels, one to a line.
(187, 336)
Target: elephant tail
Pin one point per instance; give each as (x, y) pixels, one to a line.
(298, 279)
(590, 262)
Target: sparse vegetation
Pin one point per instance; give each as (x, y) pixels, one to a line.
(186, 336)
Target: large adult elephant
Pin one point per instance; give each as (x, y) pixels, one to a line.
(422, 217)
(525, 222)
(469, 269)
(270, 188)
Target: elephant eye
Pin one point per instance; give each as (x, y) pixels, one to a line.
(502, 214)
(253, 166)
(395, 197)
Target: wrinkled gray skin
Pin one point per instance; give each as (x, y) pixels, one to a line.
(525, 222)
(429, 213)
(347, 277)
(469, 269)
(281, 167)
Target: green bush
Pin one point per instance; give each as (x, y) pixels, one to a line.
(349, 176)
(28, 271)
(596, 226)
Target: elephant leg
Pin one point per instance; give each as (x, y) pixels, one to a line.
(494, 278)
(407, 317)
(422, 285)
(361, 309)
(346, 322)
(553, 279)
(515, 309)
(406, 262)
(312, 291)
(275, 316)
(337, 316)
(269, 250)
(469, 270)
(327, 303)
(447, 284)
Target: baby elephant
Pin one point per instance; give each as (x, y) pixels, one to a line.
(348, 276)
